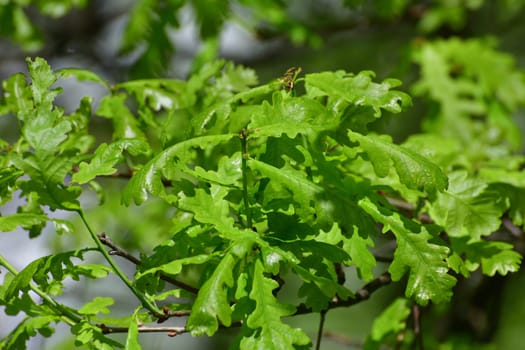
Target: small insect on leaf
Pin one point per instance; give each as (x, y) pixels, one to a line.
(289, 77)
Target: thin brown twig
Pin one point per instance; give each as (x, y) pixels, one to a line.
(416, 317)
(116, 250)
(361, 295)
(320, 330)
(171, 331)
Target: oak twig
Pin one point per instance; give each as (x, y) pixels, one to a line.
(116, 250)
(171, 331)
(361, 295)
(416, 317)
(147, 303)
(320, 330)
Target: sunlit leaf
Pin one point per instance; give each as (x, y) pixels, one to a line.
(414, 171)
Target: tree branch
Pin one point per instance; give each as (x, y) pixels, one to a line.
(116, 250)
(361, 295)
(171, 331)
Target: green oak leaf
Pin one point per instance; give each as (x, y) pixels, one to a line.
(91, 336)
(24, 220)
(467, 208)
(493, 256)
(107, 156)
(358, 90)
(391, 321)
(271, 332)
(125, 124)
(425, 262)
(212, 303)
(28, 328)
(132, 339)
(413, 170)
(97, 305)
(149, 178)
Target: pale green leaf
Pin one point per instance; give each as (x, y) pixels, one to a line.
(97, 305)
(47, 174)
(493, 256)
(91, 336)
(132, 339)
(18, 96)
(160, 94)
(467, 208)
(24, 220)
(28, 328)
(210, 208)
(82, 75)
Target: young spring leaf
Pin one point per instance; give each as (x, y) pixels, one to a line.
(82, 75)
(493, 256)
(125, 124)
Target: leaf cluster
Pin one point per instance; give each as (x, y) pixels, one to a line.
(264, 183)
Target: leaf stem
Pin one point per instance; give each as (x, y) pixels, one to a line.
(145, 302)
(244, 148)
(67, 315)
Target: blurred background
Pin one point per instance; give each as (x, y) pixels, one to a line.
(122, 40)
